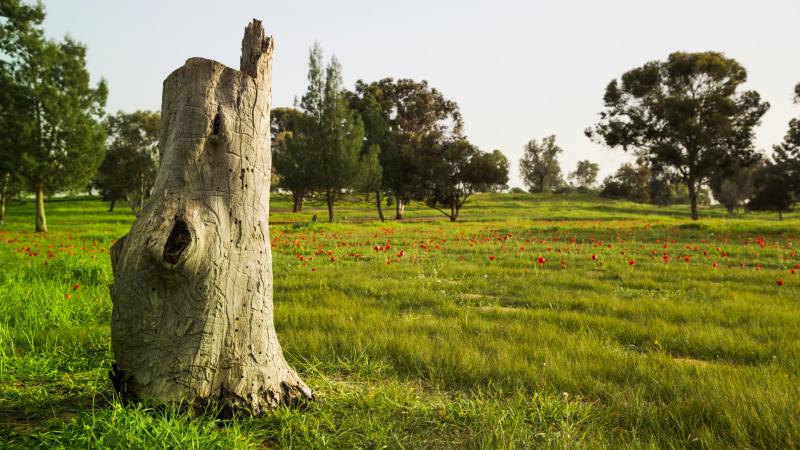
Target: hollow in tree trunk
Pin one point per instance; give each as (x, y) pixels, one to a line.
(41, 220)
(192, 316)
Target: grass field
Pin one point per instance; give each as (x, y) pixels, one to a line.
(538, 321)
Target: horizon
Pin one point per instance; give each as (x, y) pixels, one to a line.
(541, 86)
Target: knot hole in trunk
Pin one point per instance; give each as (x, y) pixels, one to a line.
(179, 238)
(215, 125)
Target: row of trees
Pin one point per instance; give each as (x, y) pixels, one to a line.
(390, 139)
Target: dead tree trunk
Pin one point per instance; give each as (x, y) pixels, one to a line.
(192, 295)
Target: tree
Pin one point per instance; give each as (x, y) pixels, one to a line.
(457, 170)
(19, 24)
(733, 184)
(771, 193)
(332, 133)
(129, 168)
(787, 153)
(376, 134)
(405, 118)
(539, 167)
(61, 140)
(192, 293)
(585, 174)
(291, 155)
(629, 182)
(684, 113)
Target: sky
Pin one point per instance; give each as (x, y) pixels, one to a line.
(519, 70)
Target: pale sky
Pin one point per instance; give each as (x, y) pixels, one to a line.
(518, 69)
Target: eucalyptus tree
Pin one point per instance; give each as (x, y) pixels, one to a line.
(686, 114)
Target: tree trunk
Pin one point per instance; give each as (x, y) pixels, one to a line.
(693, 199)
(378, 201)
(111, 206)
(780, 214)
(329, 201)
(41, 220)
(3, 196)
(400, 208)
(297, 204)
(192, 317)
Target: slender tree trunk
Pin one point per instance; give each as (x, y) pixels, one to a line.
(111, 207)
(400, 208)
(41, 220)
(3, 196)
(693, 199)
(780, 214)
(192, 317)
(378, 205)
(329, 201)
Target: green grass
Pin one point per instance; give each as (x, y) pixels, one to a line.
(444, 346)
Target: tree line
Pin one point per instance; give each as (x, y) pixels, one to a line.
(395, 141)
(692, 130)
(392, 141)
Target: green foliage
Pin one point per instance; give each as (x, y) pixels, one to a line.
(787, 153)
(48, 101)
(685, 114)
(585, 174)
(128, 171)
(539, 167)
(733, 184)
(630, 182)
(329, 135)
(771, 193)
(456, 170)
(405, 118)
(292, 154)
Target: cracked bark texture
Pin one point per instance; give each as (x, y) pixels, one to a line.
(192, 313)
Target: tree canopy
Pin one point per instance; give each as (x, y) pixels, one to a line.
(129, 169)
(539, 166)
(686, 114)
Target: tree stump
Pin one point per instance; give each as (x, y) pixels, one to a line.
(192, 294)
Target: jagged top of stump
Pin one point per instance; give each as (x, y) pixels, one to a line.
(257, 50)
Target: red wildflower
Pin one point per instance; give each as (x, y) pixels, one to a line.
(594, 257)
(541, 260)
(631, 262)
(491, 257)
(779, 282)
(76, 287)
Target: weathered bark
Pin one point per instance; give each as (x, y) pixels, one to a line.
(192, 313)
(41, 220)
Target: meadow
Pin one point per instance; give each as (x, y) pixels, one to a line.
(535, 321)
